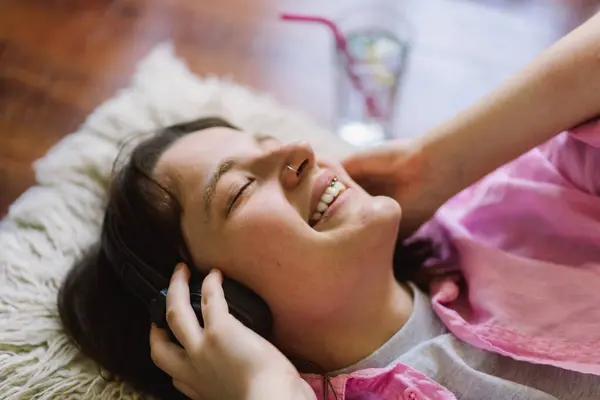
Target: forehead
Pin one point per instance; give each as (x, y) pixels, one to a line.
(207, 145)
(193, 157)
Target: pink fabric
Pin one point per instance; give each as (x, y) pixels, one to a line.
(527, 241)
(397, 382)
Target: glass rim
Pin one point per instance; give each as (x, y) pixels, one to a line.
(403, 28)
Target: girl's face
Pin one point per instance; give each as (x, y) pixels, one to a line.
(246, 213)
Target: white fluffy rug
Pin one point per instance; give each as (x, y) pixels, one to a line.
(51, 224)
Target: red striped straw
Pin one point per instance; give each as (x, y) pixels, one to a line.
(341, 43)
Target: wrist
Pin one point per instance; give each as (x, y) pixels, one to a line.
(442, 168)
(430, 178)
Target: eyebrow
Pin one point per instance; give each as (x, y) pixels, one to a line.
(263, 137)
(209, 193)
(224, 167)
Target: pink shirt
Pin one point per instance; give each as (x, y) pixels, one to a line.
(527, 241)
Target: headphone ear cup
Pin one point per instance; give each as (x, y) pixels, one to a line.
(245, 305)
(158, 311)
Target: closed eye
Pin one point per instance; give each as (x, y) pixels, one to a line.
(235, 193)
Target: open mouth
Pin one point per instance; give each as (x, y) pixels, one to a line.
(331, 193)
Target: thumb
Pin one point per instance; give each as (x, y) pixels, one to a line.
(372, 162)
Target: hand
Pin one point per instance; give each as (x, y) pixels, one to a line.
(225, 360)
(398, 170)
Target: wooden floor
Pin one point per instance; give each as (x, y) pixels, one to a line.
(59, 59)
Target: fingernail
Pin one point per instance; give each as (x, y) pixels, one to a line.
(218, 273)
(178, 267)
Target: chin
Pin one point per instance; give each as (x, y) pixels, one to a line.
(380, 221)
(386, 209)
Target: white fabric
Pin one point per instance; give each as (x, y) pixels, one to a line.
(51, 224)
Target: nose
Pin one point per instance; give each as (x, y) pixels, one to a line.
(299, 162)
(293, 162)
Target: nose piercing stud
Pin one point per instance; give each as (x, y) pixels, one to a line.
(292, 169)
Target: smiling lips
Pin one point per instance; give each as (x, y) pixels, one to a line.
(327, 189)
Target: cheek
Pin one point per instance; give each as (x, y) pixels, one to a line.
(269, 239)
(279, 257)
(275, 253)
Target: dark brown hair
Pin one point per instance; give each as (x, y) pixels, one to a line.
(105, 320)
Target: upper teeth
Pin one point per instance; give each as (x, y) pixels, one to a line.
(334, 189)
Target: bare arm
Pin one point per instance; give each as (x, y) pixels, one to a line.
(557, 91)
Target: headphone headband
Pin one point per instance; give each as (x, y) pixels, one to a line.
(127, 265)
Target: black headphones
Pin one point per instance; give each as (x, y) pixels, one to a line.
(151, 287)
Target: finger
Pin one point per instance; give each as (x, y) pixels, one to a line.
(369, 162)
(214, 305)
(186, 390)
(180, 314)
(167, 356)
